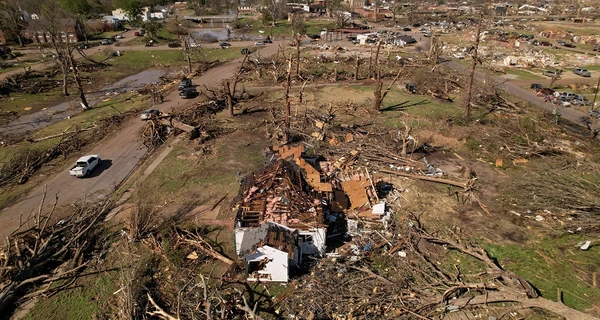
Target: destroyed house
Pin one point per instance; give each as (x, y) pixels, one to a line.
(278, 208)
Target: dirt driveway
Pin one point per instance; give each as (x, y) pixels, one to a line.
(120, 153)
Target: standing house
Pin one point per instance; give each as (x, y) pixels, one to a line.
(277, 207)
(40, 30)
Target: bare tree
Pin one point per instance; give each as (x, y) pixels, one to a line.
(63, 44)
(75, 70)
(229, 87)
(12, 19)
(298, 30)
(183, 35)
(338, 10)
(379, 94)
(288, 82)
(472, 72)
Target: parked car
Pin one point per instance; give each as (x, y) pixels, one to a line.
(268, 40)
(185, 83)
(149, 114)
(188, 93)
(105, 42)
(194, 45)
(569, 45)
(149, 44)
(174, 45)
(567, 95)
(259, 43)
(119, 36)
(83, 46)
(579, 100)
(594, 113)
(536, 86)
(85, 165)
(596, 48)
(224, 45)
(552, 73)
(458, 55)
(406, 29)
(582, 72)
(561, 103)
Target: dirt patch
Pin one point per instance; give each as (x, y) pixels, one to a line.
(439, 140)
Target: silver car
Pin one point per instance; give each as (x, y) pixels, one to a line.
(149, 114)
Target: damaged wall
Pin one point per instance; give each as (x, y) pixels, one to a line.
(267, 264)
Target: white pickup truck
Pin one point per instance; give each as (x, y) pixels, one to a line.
(85, 165)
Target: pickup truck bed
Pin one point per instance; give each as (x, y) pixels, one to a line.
(85, 165)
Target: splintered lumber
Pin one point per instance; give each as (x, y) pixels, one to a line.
(425, 178)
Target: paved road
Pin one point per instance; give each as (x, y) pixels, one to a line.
(571, 114)
(120, 153)
(61, 111)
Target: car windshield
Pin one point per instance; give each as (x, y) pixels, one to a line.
(81, 164)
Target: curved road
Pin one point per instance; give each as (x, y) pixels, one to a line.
(120, 153)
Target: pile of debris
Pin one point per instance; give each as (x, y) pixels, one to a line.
(290, 207)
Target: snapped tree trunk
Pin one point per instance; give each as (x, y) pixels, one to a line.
(297, 56)
(379, 94)
(356, 66)
(288, 81)
(593, 117)
(376, 62)
(472, 73)
(371, 64)
(229, 98)
(229, 88)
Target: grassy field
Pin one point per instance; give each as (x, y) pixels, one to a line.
(82, 302)
(524, 74)
(552, 263)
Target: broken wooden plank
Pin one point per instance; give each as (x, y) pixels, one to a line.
(425, 178)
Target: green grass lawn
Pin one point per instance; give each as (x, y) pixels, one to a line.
(82, 302)
(524, 74)
(552, 263)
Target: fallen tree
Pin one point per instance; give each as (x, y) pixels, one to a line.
(42, 251)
